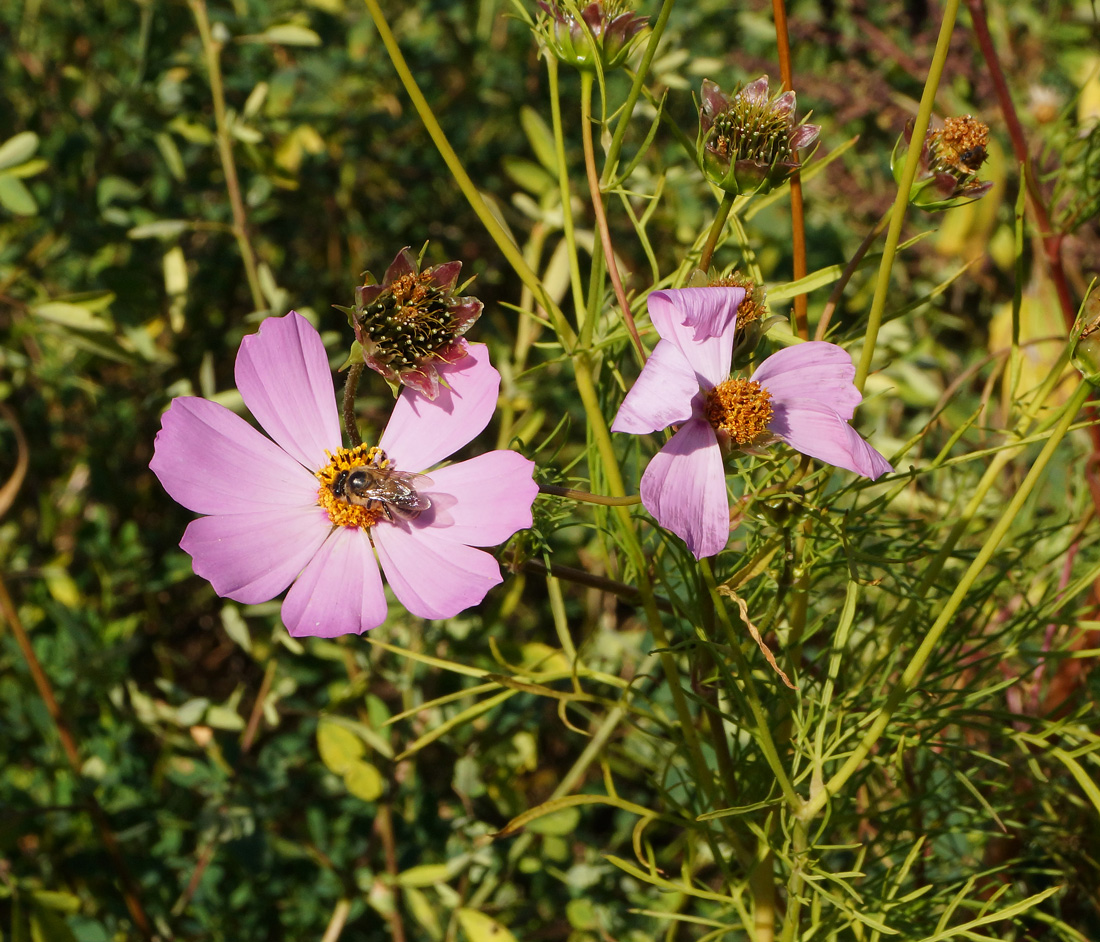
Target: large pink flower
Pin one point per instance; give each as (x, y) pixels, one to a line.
(278, 508)
(802, 395)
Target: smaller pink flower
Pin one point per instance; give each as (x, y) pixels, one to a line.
(802, 395)
(299, 510)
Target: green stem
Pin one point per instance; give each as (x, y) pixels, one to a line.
(915, 668)
(601, 217)
(636, 87)
(563, 187)
(351, 385)
(716, 228)
(901, 201)
(496, 231)
(212, 52)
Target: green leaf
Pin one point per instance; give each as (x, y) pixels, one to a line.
(286, 34)
(423, 910)
(73, 316)
(541, 137)
(423, 875)
(560, 822)
(160, 229)
(18, 149)
(339, 747)
(481, 928)
(15, 197)
(364, 781)
(572, 801)
(529, 175)
(28, 169)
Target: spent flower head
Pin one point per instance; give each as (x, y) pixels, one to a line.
(299, 510)
(950, 159)
(749, 143)
(583, 34)
(412, 322)
(802, 395)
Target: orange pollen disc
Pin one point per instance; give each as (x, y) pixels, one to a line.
(741, 408)
(410, 289)
(340, 511)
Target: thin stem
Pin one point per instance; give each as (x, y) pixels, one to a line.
(636, 87)
(1052, 241)
(504, 242)
(601, 215)
(586, 497)
(383, 825)
(901, 201)
(212, 51)
(716, 228)
(798, 219)
(563, 188)
(622, 590)
(128, 886)
(912, 673)
(338, 920)
(351, 386)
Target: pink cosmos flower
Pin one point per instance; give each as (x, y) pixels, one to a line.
(300, 510)
(802, 395)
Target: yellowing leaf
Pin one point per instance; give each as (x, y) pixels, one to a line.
(423, 875)
(481, 928)
(18, 149)
(364, 781)
(339, 747)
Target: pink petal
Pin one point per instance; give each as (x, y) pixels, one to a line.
(421, 431)
(701, 322)
(404, 263)
(784, 104)
(755, 92)
(433, 577)
(284, 377)
(490, 498)
(815, 370)
(661, 395)
(804, 135)
(213, 462)
(714, 102)
(339, 592)
(252, 557)
(684, 488)
(816, 430)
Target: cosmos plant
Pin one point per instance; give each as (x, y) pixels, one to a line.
(300, 510)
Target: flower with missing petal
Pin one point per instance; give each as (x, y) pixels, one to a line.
(802, 395)
(412, 322)
(750, 143)
(580, 36)
(950, 159)
(300, 510)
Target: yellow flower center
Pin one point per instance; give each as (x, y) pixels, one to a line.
(331, 494)
(741, 408)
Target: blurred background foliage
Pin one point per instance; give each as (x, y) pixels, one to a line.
(242, 814)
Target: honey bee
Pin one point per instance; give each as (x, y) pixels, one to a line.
(394, 493)
(973, 157)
